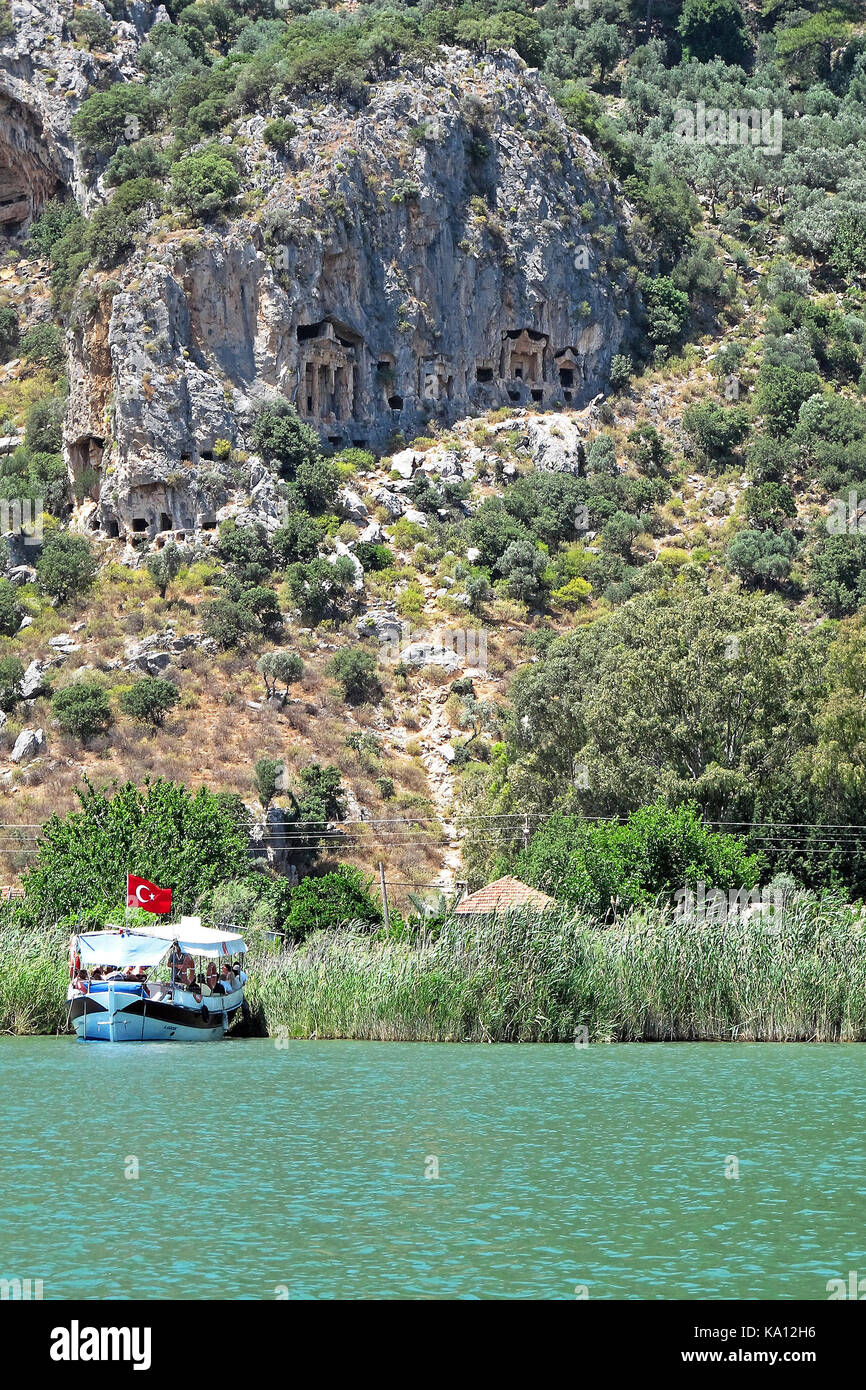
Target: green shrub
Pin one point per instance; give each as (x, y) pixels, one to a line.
(229, 623)
(8, 331)
(357, 675)
(107, 119)
(11, 677)
(657, 850)
(268, 772)
(44, 430)
(283, 441)
(204, 183)
(44, 345)
(11, 611)
(279, 134)
(762, 556)
(373, 557)
(149, 700)
(92, 29)
(66, 568)
(83, 710)
(189, 842)
(337, 899)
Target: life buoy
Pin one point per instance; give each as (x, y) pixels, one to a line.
(74, 966)
(205, 1013)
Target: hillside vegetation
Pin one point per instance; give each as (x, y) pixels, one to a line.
(659, 593)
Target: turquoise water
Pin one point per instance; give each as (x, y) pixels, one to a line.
(302, 1170)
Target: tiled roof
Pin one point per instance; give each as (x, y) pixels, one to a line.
(504, 895)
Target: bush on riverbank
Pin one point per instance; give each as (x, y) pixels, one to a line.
(534, 979)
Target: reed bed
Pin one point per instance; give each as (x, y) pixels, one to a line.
(530, 979)
(546, 979)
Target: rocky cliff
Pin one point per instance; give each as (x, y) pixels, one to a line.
(447, 249)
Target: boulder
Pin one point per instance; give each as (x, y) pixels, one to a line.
(430, 654)
(354, 506)
(388, 499)
(34, 682)
(383, 626)
(372, 533)
(21, 574)
(405, 462)
(28, 744)
(555, 443)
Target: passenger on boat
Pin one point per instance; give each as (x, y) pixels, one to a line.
(211, 976)
(228, 982)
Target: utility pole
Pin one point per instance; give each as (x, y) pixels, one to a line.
(384, 896)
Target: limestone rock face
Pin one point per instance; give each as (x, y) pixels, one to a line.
(43, 79)
(448, 249)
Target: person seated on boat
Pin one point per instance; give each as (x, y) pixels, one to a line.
(112, 972)
(97, 972)
(211, 977)
(228, 983)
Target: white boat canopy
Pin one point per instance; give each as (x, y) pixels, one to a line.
(191, 936)
(119, 948)
(147, 945)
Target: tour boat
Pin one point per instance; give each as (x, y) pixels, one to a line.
(129, 1002)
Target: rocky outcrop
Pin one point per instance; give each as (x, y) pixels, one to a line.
(383, 282)
(43, 79)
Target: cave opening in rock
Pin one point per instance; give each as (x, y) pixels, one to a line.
(395, 402)
(165, 522)
(484, 373)
(139, 524)
(538, 394)
(85, 465)
(513, 395)
(566, 376)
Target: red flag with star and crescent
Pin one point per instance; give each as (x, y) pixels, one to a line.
(141, 893)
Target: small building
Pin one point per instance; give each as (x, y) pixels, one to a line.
(505, 895)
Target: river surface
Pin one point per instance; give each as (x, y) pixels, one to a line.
(257, 1170)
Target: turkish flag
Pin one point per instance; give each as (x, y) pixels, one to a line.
(140, 893)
